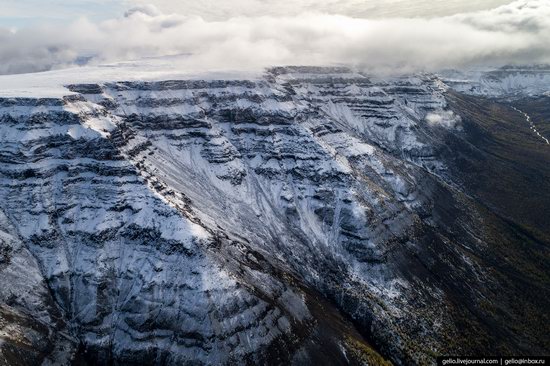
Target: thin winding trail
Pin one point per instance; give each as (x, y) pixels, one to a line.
(532, 125)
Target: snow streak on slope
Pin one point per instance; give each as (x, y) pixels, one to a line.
(532, 125)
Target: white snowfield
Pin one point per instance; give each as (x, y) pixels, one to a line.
(51, 84)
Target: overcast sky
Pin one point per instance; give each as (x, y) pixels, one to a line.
(216, 9)
(20, 13)
(402, 35)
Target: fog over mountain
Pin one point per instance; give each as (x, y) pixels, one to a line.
(307, 34)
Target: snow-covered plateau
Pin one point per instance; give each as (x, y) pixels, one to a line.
(295, 215)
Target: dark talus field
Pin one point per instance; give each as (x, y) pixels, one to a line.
(313, 216)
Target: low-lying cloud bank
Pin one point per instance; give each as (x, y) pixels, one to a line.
(447, 119)
(515, 33)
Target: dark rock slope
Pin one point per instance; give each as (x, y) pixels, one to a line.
(314, 216)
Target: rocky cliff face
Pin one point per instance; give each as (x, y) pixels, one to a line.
(314, 216)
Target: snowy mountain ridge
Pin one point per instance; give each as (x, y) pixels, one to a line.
(308, 214)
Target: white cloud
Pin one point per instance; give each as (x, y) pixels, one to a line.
(224, 9)
(147, 9)
(516, 33)
(447, 119)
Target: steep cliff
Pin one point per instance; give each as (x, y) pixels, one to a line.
(315, 215)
